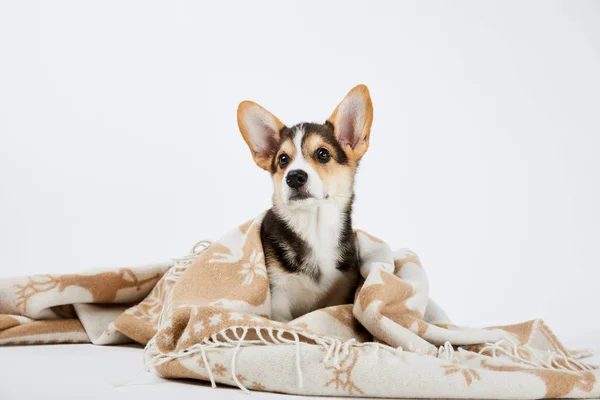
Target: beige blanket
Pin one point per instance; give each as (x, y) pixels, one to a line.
(207, 317)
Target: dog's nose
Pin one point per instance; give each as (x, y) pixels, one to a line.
(296, 178)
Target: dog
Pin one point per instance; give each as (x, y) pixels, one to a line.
(307, 237)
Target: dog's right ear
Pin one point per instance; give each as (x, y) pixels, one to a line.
(260, 130)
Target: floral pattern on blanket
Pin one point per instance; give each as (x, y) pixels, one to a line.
(207, 317)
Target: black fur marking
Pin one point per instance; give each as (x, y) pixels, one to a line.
(284, 134)
(282, 244)
(324, 130)
(348, 259)
(326, 133)
(290, 251)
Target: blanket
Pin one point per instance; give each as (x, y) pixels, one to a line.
(206, 316)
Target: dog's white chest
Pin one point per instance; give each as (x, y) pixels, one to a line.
(296, 294)
(323, 234)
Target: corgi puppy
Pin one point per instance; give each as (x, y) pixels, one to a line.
(307, 237)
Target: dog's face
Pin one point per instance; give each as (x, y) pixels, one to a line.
(310, 163)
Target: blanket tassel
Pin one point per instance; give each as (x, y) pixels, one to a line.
(126, 382)
(208, 368)
(234, 358)
(298, 363)
(554, 357)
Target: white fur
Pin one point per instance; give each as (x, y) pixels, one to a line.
(318, 221)
(314, 183)
(296, 294)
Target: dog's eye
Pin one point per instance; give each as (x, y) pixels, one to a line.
(283, 160)
(323, 155)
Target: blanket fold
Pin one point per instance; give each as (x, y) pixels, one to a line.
(206, 317)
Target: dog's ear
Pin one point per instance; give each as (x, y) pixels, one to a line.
(260, 130)
(352, 121)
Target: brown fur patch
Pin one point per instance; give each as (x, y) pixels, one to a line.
(338, 179)
(286, 147)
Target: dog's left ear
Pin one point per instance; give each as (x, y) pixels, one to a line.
(352, 121)
(260, 130)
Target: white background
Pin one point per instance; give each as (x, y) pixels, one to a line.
(119, 143)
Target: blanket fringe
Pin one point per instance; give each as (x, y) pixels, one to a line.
(336, 350)
(555, 360)
(175, 272)
(446, 352)
(127, 381)
(233, 359)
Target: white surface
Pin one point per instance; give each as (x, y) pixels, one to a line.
(91, 372)
(75, 372)
(119, 144)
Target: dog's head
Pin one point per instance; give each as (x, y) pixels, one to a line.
(310, 163)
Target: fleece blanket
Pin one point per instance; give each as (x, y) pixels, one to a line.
(206, 317)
